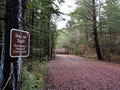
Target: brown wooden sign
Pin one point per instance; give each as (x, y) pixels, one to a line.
(19, 43)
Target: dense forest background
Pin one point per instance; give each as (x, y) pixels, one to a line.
(93, 30)
(91, 21)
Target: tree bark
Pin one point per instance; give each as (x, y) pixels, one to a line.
(2, 18)
(13, 20)
(0, 39)
(31, 33)
(98, 51)
(24, 14)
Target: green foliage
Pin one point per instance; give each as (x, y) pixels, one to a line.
(110, 28)
(112, 13)
(40, 24)
(70, 40)
(34, 75)
(80, 28)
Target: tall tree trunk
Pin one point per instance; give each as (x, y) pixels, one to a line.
(98, 51)
(87, 36)
(32, 18)
(110, 34)
(49, 39)
(24, 14)
(31, 33)
(0, 39)
(11, 66)
(100, 23)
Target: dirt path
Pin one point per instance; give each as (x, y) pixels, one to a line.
(68, 72)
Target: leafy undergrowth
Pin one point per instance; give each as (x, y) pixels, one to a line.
(34, 75)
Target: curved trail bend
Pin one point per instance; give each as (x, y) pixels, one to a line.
(69, 72)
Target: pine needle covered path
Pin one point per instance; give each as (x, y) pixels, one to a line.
(69, 72)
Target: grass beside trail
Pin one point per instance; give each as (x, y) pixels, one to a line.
(34, 75)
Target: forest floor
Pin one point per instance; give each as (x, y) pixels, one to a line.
(68, 72)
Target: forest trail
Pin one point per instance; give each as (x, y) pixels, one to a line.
(68, 72)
